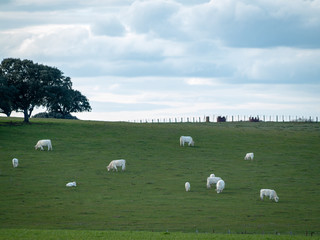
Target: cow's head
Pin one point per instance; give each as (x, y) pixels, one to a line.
(276, 199)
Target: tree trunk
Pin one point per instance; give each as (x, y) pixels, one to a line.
(26, 116)
(30, 110)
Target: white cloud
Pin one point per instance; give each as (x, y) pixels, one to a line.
(202, 81)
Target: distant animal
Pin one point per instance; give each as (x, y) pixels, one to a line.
(212, 180)
(249, 156)
(220, 186)
(186, 139)
(187, 186)
(71, 184)
(117, 163)
(269, 193)
(15, 162)
(43, 143)
(212, 175)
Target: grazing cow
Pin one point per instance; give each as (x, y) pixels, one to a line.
(71, 184)
(269, 193)
(15, 162)
(186, 139)
(117, 163)
(43, 143)
(249, 156)
(212, 180)
(220, 186)
(187, 186)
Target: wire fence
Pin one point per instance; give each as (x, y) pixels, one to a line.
(230, 118)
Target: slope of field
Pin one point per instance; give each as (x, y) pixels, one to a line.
(150, 194)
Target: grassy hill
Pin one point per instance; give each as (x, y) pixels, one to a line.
(150, 195)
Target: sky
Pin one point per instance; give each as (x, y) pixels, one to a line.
(157, 59)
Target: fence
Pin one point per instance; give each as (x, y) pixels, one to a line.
(232, 118)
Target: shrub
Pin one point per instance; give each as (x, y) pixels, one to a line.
(54, 115)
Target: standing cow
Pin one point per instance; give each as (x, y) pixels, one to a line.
(220, 186)
(186, 139)
(117, 163)
(15, 162)
(249, 156)
(187, 186)
(212, 180)
(269, 193)
(43, 143)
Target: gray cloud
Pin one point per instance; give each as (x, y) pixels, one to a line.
(174, 56)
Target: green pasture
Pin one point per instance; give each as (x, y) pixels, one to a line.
(22, 234)
(150, 194)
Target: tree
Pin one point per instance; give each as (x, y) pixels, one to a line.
(65, 100)
(39, 85)
(30, 81)
(6, 96)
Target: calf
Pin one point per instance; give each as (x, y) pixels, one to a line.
(71, 184)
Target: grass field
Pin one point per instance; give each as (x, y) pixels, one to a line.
(22, 234)
(150, 195)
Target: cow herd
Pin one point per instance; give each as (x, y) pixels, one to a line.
(219, 183)
(211, 180)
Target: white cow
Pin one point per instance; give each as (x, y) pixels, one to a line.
(117, 163)
(212, 180)
(15, 162)
(269, 193)
(186, 139)
(187, 186)
(220, 186)
(249, 156)
(43, 143)
(71, 184)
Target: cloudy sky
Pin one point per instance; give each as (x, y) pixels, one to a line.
(136, 59)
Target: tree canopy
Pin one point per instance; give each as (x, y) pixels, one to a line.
(25, 85)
